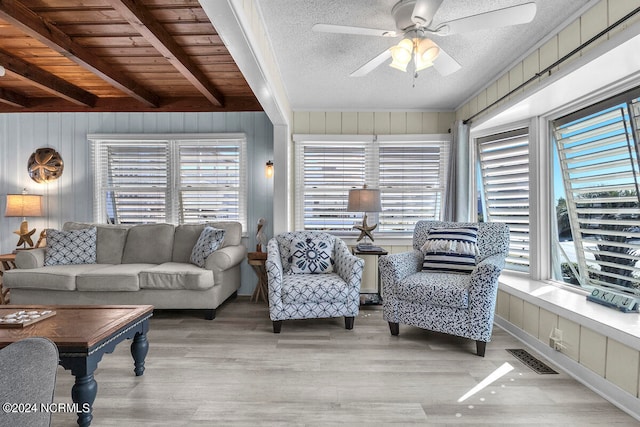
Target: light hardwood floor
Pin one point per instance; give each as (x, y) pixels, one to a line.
(233, 371)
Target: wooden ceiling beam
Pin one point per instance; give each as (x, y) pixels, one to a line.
(13, 99)
(47, 81)
(47, 33)
(144, 22)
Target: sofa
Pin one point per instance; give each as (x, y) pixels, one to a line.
(138, 264)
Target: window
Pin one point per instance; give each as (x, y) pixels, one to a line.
(176, 180)
(596, 195)
(410, 172)
(504, 189)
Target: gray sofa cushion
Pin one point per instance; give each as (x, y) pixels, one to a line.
(120, 277)
(184, 240)
(54, 277)
(149, 244)
(111, 240)
(174, 275)
(232, 232)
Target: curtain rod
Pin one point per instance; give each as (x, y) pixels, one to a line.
(555, 64)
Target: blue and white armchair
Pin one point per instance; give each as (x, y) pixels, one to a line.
(449, 282)
(312, 275)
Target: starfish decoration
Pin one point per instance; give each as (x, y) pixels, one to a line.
(365, 230)
(25, 234)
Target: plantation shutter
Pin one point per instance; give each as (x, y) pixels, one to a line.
(412, 181)
(326, 172)
(133, 181)
(210, 181)
(600, 170)
(504, 165)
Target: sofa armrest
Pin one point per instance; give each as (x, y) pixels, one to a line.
(395, 267)
(225, 258)
(32, 258)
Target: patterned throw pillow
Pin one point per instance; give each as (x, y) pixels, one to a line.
(451, 250)
(71, 247)
(209, 241)
(309, 256)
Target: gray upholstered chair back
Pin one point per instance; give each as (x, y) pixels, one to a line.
(493, 237)
(285, 239)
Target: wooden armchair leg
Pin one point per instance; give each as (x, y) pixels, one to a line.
(348, 322)
(394, 328)
(277, 326)
(481, 346)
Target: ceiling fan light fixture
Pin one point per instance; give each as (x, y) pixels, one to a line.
(401, 54)
(426, 52)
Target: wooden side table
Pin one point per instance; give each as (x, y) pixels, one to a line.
(258, 261)
(8, 262)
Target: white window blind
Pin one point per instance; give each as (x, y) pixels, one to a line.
(410, 172)
(504, 166)
(600, 171)
(173, 180)
(412, 177)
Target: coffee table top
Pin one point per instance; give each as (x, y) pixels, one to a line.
(75, 327)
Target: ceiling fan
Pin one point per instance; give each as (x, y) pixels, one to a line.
(413, 21)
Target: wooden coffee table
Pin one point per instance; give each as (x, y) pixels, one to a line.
(83, 334)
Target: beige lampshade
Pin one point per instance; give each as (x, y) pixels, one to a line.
(24, 205)
(364, 200)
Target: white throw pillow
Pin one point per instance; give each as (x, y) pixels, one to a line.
(71, 247)
(209, 241)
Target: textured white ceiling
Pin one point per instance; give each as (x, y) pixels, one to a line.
(315, 66)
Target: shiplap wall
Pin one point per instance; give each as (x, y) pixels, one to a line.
(70, 197)
(593, 21)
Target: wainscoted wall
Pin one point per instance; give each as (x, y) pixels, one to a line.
(370, 123)
(71, 197)
(586, 26)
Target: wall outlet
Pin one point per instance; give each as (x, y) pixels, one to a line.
(555, 340)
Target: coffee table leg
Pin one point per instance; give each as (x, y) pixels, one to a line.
(84, 393)
(139, 350)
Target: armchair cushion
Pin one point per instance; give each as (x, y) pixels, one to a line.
(451, 250)
(298, 289)
(443, 289)
(311, 256)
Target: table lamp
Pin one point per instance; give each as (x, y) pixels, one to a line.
(364, 200)
(24, 205)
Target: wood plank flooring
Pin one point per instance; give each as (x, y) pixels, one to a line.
(233, 371)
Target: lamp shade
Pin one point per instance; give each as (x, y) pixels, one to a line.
(24, 205)
(364, 200)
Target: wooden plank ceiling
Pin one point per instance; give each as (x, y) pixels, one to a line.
(116, 55)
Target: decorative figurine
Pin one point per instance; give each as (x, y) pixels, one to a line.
(261, 239)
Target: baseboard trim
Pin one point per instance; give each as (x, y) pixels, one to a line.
(609, 391)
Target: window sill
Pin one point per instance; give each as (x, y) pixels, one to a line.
(573, 305)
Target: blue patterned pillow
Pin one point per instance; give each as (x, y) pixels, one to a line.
(309, 256)
(451, 250)
(71, 247)
(209, 241)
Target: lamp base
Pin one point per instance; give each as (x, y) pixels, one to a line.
(25, 235)
(365, 230)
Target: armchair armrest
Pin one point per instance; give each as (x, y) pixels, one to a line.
(484, 282)
(395, 267)
(32, 258)
(348, 266)
(274, 278)
(225, 258)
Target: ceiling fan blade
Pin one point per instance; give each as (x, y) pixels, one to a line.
(424, 10)
(445, 64)
(360, 31)
(513, 15)
(371, 65)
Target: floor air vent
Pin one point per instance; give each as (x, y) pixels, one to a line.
(536, 365)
